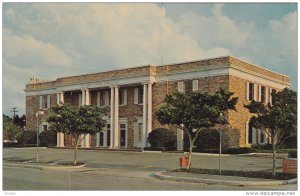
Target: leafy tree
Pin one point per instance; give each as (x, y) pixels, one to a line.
(21, 122)
(278, 119)
(76, 121)
(10, 130)
(195, 111)
(162, 137)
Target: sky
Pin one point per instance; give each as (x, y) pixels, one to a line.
(51, 40)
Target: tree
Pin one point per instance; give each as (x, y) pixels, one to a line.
(10, 130)
(76, 121)
(278, 118)
(195, 111)
(21, 122)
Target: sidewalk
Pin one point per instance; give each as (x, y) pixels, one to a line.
(219, 179)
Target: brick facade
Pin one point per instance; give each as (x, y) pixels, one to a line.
(227, 72)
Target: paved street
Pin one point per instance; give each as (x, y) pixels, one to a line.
(108, 170)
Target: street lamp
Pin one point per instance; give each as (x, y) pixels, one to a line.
(220, 142)
(39, 113)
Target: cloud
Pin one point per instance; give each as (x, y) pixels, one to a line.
(52, 40)
(26, 51)
(215, 30)
(284, 31)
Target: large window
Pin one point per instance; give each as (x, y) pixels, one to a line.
(263, 94)
(140, 95)
(251, 91)
(123, 96)
(103, 98)
(122, 135)
(44, 102)
(250, 133)
(108, 134)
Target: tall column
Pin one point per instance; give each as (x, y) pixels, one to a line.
(60, 136)
(144, 133)
(87, 102)
(116, 119)
(149, 128)
(83, 97)
(97, 139)
(58, 139)
(62, 97)
(112, 111)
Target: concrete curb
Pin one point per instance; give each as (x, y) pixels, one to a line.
(44, 167)
(161, 176)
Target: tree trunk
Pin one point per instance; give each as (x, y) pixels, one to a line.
(190, 152)
(75, 153)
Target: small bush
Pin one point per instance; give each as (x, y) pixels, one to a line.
(47, 138)
(292, 154)
(162, 138)
(226, 151)
(261, 147)
(26, 137)
(208, 139)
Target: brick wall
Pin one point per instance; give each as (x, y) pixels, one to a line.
(131, 111)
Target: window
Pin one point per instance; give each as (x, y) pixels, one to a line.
(262, 94)
(44, 102)
(188, 86)
(123, 96)
(108, 134)
(195, 85)
(181, 87)
(101, 142)
(262, 137)
(251, 91)
(122, 135)
(102, 99)
(250, 130)
(140, 95)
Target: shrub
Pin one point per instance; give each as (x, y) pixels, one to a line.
(210, 138)
(290, 142)
(26, 137)
(292, 154)
(237, 150)
(162, 138)
(261, 147)
(47, 138)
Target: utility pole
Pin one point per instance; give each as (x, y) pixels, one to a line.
(14, 110)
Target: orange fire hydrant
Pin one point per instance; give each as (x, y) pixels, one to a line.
(183, 161)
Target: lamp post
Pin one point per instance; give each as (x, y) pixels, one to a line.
(220, 147)
(220, 151)
(39, 113)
